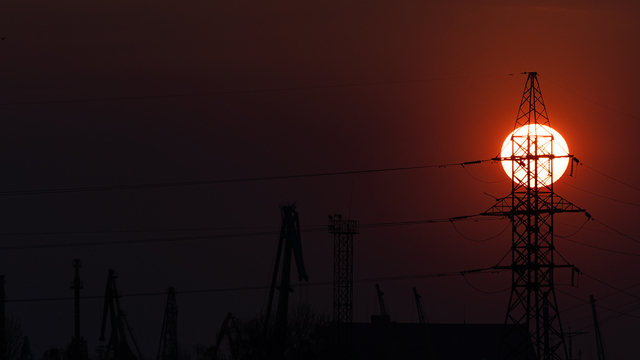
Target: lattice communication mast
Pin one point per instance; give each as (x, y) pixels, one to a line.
(168, 348)
(533, 309)
(343, 231)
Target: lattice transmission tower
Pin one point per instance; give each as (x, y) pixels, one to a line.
(343, 231)
(533, 318)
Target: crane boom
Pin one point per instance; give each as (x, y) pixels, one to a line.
(225, 330)
(383, 310)
(117, 346)
(421, 316)
(290, 240)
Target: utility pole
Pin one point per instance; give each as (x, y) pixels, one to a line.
(343, 231)
(77, 349)
(421, 316)
(533, 309)
(596, 326)
(76, 286)
(3, 322)
(168, 348)
(571, 335)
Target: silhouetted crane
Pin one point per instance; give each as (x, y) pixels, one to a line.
(117, 347)
(290, 239)
(225, 330)
(383, 310)
(421, 316)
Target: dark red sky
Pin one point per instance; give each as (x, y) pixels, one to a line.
(458, 104)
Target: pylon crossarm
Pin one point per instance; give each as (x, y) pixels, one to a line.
(523, 148)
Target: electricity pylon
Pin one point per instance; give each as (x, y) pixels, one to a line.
(343, 231)
(533, 308)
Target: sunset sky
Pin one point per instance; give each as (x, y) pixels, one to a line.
(103, 93)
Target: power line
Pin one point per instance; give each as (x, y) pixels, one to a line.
(578, 230)
(618, 232)
(234, 235)
(611, 177)
(602, 196)
(236, 92)
(262, 287)
(599, 248)
(480, 180)
(483, 291)
(480, 240)
(585, 98)
(226, 181)
(600, 306)
(611, 286)
(130, 231)
(590, 229)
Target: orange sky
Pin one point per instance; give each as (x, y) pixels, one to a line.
(444, 86)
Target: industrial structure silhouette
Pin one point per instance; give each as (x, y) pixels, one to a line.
(532, 328)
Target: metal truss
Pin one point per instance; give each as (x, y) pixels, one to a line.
(343, 231)
(533, 308)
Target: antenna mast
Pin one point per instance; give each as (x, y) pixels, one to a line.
(77, 349)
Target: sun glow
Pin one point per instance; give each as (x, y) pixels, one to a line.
(537, 140)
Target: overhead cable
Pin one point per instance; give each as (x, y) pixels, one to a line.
(230, 235)
(226, 181)
(592, 101)
(611, 177)
(598, 195)
(236, 92)
(262, 287)
(600, 248)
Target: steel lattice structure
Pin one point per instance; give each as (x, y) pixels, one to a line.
(533, 308)
(168, 349)
(343, 231)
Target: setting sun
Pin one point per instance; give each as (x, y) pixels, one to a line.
(535, 140)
